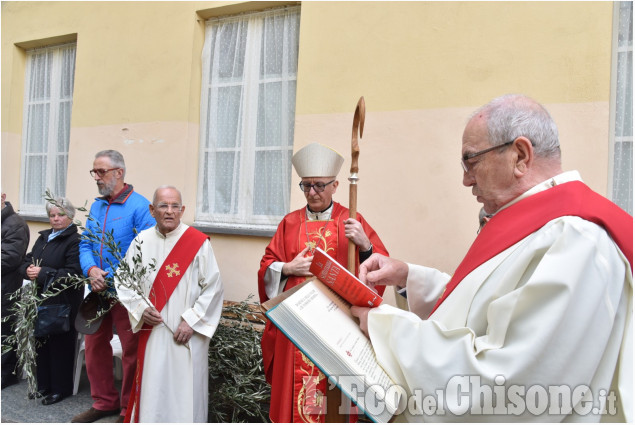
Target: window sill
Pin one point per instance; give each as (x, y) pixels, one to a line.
(34, 217)
(265, 231)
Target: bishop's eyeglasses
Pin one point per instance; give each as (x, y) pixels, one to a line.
(318, 187)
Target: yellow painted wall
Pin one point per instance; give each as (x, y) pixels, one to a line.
(421, 66)
(133, 60)
(428, 55)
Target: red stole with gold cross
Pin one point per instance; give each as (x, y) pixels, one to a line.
(165, 282)
(309, 383)
(518, 221)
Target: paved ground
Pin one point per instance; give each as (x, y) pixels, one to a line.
(16, 407)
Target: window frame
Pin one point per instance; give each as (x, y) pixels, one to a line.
(52, 153)
(613, 139)
(208, 221)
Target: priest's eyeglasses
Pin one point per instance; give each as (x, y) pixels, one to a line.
(166, 207)
(466, 156)
(318, 187)
(101, 172)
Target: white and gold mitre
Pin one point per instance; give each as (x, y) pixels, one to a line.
(317, 160)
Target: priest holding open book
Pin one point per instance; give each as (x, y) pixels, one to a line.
(535, 325)
(297, 386)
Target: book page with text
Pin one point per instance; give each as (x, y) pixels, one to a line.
(329, 316)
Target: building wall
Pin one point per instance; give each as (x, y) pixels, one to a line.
(422, 67)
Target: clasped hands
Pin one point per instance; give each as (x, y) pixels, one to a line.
(33, 271)
(182, 334)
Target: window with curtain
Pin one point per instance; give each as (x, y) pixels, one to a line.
(621, 181)
(46, 127)
(247, 119)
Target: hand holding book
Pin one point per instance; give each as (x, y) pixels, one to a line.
(343, 282)
(361, 314)
(316, 317)
(299, 266)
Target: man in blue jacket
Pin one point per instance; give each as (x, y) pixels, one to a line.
(120, 212)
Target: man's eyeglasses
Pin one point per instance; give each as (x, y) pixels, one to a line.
(101, 172)
(467, 156)
(165, 207)
(318, 187)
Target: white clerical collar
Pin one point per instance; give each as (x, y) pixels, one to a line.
(320, 215)
(172, 233)
(567, 176)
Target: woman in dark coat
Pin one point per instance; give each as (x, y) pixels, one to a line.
(55, 254)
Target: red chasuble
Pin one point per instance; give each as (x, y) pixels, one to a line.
(528, 215)
(297, 385)
(165, 282)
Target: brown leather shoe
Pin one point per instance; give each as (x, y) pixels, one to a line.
(92, 414)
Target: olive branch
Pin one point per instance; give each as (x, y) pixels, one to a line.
(126, 275)
(23, 311)
(26, 300)
(238, 390)
(132, 276)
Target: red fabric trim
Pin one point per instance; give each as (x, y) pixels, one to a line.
(183, 252)
(163, 287)
(518, 221)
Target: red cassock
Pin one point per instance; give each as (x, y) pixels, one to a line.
(297, 386)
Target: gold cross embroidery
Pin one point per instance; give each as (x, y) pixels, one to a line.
(173, 270)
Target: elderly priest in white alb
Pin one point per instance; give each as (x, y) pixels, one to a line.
(535, 325)
(186, 294)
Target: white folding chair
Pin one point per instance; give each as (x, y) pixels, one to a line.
(79, 361)
(117, 354)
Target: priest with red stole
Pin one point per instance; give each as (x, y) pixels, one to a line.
(175, 309)
(535, 324)
(297, 386)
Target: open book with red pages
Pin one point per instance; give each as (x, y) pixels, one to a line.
(319, 322)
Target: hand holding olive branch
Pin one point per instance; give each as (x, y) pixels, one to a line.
(129, 276)
(132, 275)
(24, 310)
(99, 279)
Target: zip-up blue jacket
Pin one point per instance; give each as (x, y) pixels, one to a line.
(126, 215)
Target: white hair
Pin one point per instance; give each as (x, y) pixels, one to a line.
(64, 205)
(514, 115)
